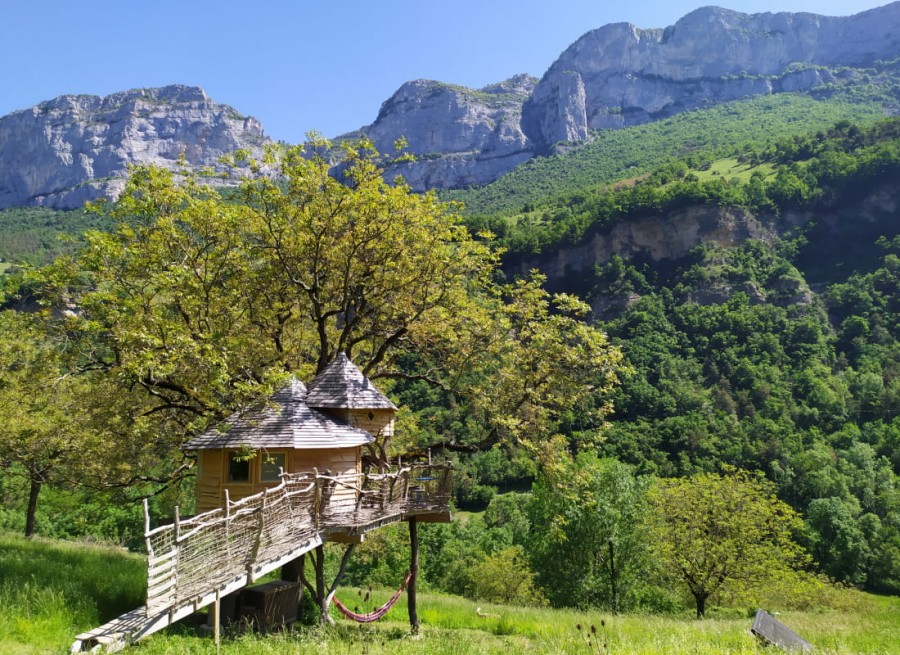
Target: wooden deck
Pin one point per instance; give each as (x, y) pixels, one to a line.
(193, 562)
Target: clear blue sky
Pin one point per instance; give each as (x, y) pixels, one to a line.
(300, 65)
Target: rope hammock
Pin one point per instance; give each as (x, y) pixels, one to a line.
(374, 615)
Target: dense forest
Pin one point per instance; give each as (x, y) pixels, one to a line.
(771, 367)
(780, 357)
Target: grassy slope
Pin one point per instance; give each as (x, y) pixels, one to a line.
(620, 154)
(50, 591)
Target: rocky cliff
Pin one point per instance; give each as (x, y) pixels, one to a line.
(76, 148)
(672, 236)
(460, 136)
(620, 75)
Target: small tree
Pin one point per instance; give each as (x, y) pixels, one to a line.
(42, 422)
(710, 530)
(505, 577)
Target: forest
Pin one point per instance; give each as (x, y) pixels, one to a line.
(747, 394)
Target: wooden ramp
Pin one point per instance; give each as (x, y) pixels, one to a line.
(193, 562)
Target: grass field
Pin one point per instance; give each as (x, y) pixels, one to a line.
(731, 169)
(51, 591)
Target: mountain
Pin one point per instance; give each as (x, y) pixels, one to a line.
(460, 136)
(74, 148)
(619, 76)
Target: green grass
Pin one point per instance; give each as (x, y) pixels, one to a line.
(51, 591)
(731, 169)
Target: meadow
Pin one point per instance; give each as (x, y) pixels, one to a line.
(51, 590)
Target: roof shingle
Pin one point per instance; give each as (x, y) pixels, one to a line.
(284, 421)
(343, 386)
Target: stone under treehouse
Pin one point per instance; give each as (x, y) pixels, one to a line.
(275, 482)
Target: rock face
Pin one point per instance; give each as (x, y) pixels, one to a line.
(655, 237)
(76, 148)
(65, 151)
(673, 235)
(620, 75)
(460, 136)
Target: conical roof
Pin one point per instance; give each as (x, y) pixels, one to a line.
(284, 421)
(343, 386)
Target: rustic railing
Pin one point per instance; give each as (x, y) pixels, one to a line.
(235, 545)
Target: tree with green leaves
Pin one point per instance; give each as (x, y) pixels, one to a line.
(201, 301)
(710, 531)
(587, 512)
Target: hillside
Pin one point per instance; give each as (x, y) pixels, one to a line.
(708, 134)
(761, 319)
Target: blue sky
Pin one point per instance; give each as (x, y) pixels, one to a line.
(307, 65)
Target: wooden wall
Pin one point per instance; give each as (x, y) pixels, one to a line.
(212, 479)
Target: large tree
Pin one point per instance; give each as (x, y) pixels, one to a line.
(587, 512)
(201, 300)
(712, 530)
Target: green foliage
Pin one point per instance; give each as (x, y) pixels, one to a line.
(706, 135)
(36, 235)
(588, 513)
(711, 531)
(505, 577)
(812, 169)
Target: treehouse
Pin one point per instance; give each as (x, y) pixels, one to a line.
(322, 428)
(276, 482)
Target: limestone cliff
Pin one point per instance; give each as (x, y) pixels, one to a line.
(460, 136)
(620, 75)
(74, 148)
(672, 236)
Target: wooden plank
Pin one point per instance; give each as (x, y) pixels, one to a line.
(153, 561)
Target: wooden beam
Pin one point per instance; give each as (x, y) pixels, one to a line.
(414, 575)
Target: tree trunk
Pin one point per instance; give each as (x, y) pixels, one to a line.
(700, 600)
(414, 575)
(345, 559)
(36, 484)
(614, 590)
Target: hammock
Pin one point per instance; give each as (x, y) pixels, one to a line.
(374, 615)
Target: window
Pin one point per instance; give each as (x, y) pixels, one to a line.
(238, 469)
(272, 463)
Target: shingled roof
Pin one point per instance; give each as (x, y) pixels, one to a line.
(343, 386)
(284, 421)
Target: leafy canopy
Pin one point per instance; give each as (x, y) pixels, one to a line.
(200, 301)
(711, 530)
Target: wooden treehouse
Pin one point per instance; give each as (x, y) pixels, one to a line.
(275, 482)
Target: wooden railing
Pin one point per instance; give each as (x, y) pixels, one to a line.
(226, 548)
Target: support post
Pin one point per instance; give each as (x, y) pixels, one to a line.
(414, 575)
(217, 620)
(321, 592)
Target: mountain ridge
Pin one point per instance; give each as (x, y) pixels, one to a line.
(74, 148)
